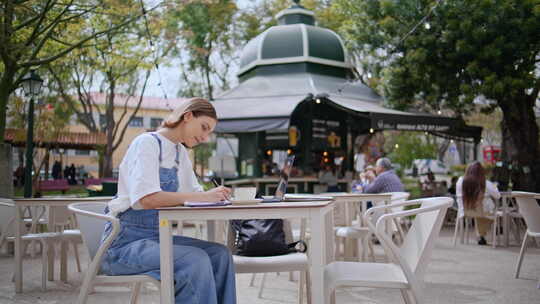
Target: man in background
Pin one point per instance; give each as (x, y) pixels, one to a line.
(386, 179)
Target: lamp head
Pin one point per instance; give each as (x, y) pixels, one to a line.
(32, 83)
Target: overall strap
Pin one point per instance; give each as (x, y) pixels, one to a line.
(177, 158)
(159, 142)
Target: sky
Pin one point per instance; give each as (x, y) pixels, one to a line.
(170, 76)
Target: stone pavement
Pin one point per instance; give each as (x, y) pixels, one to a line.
(461, 275)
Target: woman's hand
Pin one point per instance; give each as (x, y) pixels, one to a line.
(218, 194)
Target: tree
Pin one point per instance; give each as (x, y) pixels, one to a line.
(34, 33)
(114, 64)
(51, 118)
(208, 45)
(405, 147)
(448, 54)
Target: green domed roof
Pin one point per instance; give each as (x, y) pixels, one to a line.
(295, 39)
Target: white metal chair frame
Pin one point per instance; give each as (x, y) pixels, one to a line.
(362, 233)
(530, 210)
(280, 263)
(91, 278)
(464, 222)
(46, 239)
(407, 264)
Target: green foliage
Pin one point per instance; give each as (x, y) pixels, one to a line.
(39, 32)
(405, 147)
(209, 39)
(443, 55)
(470, 48)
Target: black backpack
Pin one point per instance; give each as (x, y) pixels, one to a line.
(262, 238)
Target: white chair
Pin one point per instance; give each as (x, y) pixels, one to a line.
(464, 222)
(362, 234)
(280, 263)
(92, 219)
(529, 208)
(407, 263)
(46, 239)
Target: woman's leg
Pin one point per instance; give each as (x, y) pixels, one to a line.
(222, 266)
(193, 270)
(482, 225)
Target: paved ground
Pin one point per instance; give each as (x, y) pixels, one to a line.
(461, 275)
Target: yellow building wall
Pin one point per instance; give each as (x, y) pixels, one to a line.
(91, 162)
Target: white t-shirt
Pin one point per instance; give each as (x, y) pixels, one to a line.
(138, 174)
(490, 194)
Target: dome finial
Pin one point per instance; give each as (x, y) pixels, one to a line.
(296, 14)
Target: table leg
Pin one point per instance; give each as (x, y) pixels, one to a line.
(319, 254)
(506, 226)
(166, 261)
(51, 253)
(18, 250)
(211, 230)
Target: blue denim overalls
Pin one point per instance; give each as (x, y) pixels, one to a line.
(203, 271)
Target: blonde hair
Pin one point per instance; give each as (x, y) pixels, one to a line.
(196, 105)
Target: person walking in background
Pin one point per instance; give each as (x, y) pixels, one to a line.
(475, 197)
(386, 180)
(56, 170)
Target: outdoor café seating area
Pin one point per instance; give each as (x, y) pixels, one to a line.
(351, 257)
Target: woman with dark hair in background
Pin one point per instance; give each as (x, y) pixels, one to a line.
(475, 196)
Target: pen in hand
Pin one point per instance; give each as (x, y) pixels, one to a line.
(218, 185)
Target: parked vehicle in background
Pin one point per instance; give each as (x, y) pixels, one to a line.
(423, 166)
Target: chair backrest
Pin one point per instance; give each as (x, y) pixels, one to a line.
(529, 209)
(414, 253)
(91, 218)
(7, 215)
(399, 197)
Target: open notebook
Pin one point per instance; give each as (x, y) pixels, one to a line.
(206, 204)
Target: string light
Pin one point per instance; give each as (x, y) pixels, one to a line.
(317, 100)
(268, 152)
(371, 130)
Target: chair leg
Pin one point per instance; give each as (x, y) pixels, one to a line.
(308, 287)
(467, 224)
(405, 296)
(494, 233)
(456, 228)
(252, 281)
(521, 254)
(76, 249)
(262, 285)
(44, 265)
(135, 293)
(301, 283)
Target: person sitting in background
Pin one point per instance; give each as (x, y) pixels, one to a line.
(363, 179)
(386, 180)
(475, 196)
(329, 177)
(452, 188)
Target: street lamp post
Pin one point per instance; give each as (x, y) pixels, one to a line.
(32, 87)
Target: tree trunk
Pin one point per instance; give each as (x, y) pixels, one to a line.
(6, 165)
(520, 141)
(6, 88)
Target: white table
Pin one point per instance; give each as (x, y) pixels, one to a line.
(318, 213)
(50, 202)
